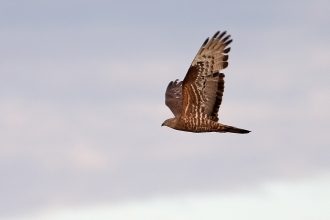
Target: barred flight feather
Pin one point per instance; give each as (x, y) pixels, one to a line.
(196, 100)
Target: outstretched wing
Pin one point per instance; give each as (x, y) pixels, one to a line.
(203, 84)
(173, 97)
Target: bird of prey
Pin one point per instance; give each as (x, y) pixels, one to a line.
(195, 101)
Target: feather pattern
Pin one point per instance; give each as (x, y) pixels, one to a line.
(196, 100)
(173, 97)
(204, 80)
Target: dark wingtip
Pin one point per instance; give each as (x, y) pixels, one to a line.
(226, 50)
(228, 42)
(222, 34)
(226, 38)
(216, 34)
(205, 42)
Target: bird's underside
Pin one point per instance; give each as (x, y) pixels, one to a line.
(204, 124)
(196, 100)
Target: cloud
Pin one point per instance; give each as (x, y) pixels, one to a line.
(82, 102)
(303, 199)
(88, 159)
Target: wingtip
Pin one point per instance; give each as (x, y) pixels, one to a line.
(228, 42)
(205, 42)
(226, 50)
(222, 34)
(216, 34)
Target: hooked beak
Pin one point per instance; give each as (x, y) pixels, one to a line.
(162, 124)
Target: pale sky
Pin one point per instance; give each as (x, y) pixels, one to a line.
(82, 87)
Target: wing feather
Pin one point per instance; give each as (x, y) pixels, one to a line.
(173, 97)
(203, 85)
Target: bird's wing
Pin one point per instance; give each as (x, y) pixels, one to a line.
(203, 84)
(173, 97)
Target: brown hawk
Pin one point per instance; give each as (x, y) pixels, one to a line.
(195, 101)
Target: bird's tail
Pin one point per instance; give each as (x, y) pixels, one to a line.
(232, 129)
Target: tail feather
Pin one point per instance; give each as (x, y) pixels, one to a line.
(235, 130)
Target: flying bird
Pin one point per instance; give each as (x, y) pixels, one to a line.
(196, 100)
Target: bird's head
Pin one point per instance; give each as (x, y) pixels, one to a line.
(171, 122)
